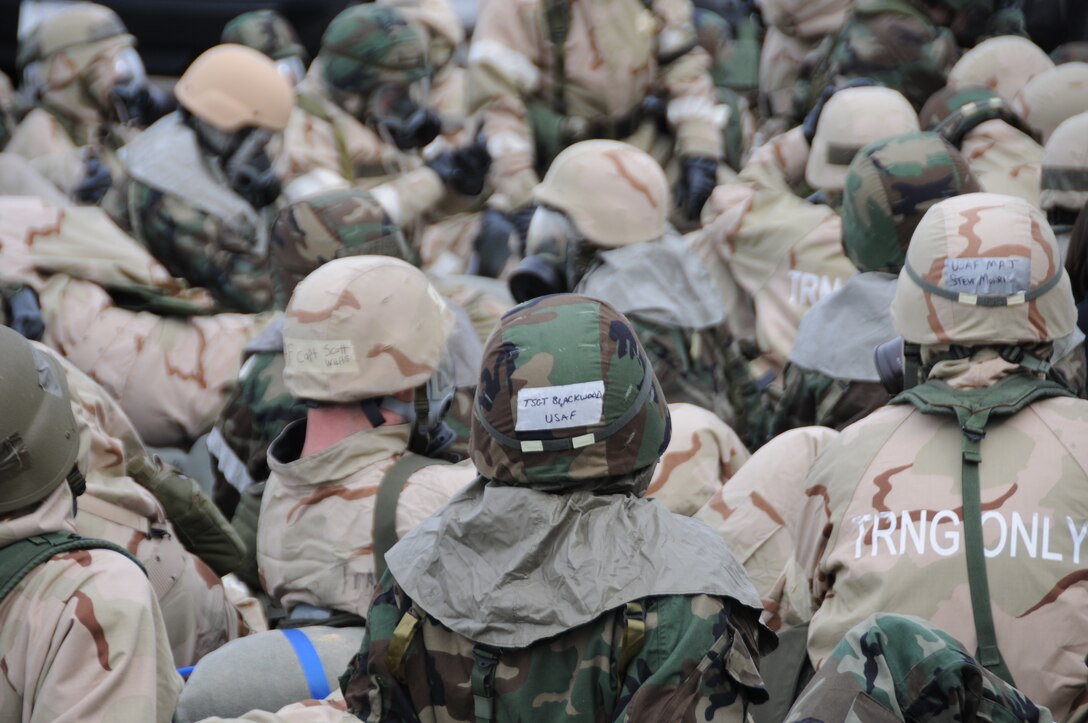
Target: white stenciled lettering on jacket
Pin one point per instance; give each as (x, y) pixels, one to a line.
(806, 289)
(1035, 536)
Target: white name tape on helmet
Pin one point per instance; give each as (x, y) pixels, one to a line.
(1008, 275)
(560, 407)
(329, 356)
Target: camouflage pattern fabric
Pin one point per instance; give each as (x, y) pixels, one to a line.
(165, 372)
(698, 662)
(757, 513)
(194, 606)
(782, 253)
(892, 183)
(171, 375)
(716, 37)
(894, 668)
(1005, 160)
(256, 411)
(327, 226)
(887, 40)
(616, 54)
(335, 489)
(198, 246)
(108, 658)
(367, 45)
(322, 140)
(811, 398)
(612, 364)
(266, 31)
(702, 456)
(889, 504)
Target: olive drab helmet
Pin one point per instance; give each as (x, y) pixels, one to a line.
(615, 194)
(362, 327)
(953, 112)
(39, 440)
(851, 119)
(890, 186)
(270, 33)
(267, 31)
(231, 87)
(1051, 97)
(566, 395)
(1003, 64)
(1065, 166)
(439, 19)
(983, 269)
(327, 226)
(368, 45)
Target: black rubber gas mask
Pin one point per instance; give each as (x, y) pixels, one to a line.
(552, 246)
(899, 365)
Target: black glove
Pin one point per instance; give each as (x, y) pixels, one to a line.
(463, 169)
(26, 314)
(697, 181)
(96, 181)
(808, 125)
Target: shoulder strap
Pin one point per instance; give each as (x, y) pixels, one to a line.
(313, 106)
(973, 409)
(385, 507)
(557, 16)
(19, 559)
(634, 634)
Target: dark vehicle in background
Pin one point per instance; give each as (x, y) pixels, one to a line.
(171, 33)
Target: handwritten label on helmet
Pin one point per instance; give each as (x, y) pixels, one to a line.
(560, 407)
(331, 356)
(989, 276)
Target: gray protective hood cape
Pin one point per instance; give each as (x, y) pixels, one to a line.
(166, 157)
(660, 281)
(838, 335)
(508, 566)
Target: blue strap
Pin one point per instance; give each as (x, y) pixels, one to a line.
(186, 671)
(309, 661)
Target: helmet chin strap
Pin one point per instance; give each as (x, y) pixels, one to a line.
(374, 407)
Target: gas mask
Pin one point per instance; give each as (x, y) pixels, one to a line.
(899, 365)
(396, 111)
(117, 82)
(244, 158)
(431, 435)
(555, 259)
(249, 170)
(292, 68)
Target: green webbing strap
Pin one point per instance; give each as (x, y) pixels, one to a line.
(557, 16)
(385, 506)
(483, 681)
(1061, 178)
(313, 106)
(19, 559)
(973, 408)
(402, 638)
(977, 577)
(634, 633)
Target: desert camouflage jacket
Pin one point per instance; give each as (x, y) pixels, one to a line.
(891, 508)
(81, 637)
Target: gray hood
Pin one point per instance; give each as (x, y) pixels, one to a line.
(508, 566)
(660, 281)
